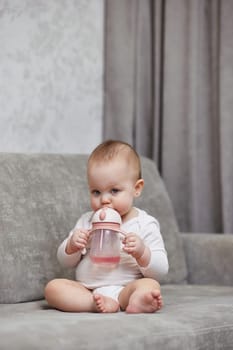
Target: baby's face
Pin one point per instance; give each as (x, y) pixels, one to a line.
(112, 184)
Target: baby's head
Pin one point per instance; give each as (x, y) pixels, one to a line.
(113, 150)
(114, 176)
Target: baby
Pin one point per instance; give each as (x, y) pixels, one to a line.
(114, 180)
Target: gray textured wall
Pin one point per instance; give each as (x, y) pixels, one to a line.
(51, 75)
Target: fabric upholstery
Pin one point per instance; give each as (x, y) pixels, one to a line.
(193, 318)
(42, 196)
(209, 257)
(155, 201)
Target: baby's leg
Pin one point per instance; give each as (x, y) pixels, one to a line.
(141, 296)
(68, 295)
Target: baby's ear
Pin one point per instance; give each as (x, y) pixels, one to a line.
(138, 187)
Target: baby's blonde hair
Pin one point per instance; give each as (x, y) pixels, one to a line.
(110, 149)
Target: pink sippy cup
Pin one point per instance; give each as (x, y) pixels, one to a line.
(105, 241)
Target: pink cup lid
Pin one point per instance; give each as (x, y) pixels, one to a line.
(106, 215)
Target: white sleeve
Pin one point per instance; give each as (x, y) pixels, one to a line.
(158, 265)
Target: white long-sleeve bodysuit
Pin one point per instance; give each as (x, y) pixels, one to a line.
(94, 276)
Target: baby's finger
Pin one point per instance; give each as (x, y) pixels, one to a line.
(80, 245)
(82, 240)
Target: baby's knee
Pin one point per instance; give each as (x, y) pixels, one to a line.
(147, 282)
(51, 288)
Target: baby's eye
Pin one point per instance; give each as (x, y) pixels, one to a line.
(115, 191)
(95, 193)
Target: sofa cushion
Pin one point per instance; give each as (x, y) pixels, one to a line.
(155, 200)
(194, 317)
(42, 196)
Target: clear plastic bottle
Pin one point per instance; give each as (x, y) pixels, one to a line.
(105, 237)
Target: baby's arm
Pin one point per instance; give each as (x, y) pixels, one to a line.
(135, 246)
(158, 264)
(77, 241)
(148, 250)
(70, 251)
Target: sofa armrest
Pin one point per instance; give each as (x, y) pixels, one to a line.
(209, 258)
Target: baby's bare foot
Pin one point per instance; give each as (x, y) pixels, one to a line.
(148, 302)
(105, 304)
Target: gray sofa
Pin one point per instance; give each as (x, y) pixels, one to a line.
(41, 196)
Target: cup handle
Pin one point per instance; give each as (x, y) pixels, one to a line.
(122, 233)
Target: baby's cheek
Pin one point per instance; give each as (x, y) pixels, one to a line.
(94, 205)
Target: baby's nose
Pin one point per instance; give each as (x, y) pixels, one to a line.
(105, 198)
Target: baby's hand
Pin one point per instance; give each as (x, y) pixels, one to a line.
(77, 241)
(133, 245)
